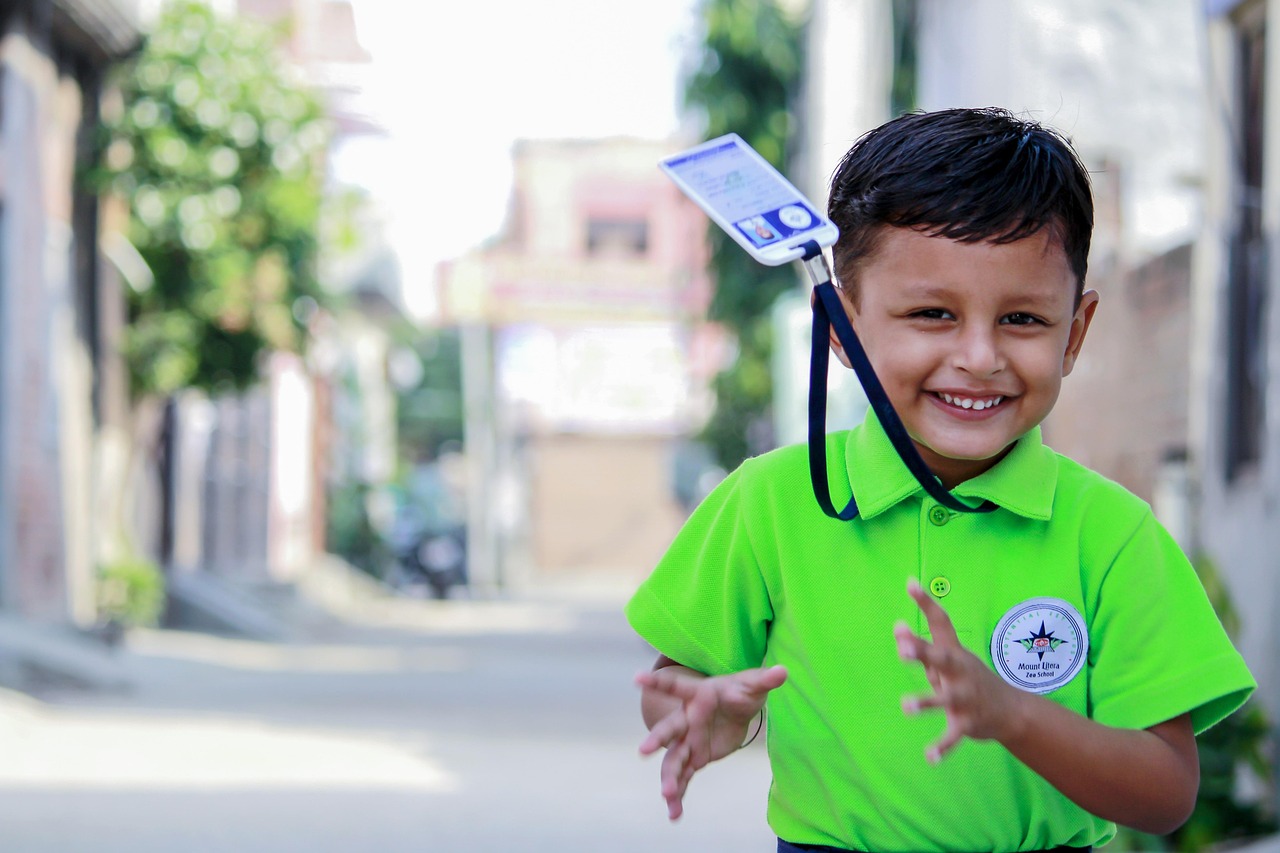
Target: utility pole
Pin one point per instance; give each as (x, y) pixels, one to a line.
(480, 437)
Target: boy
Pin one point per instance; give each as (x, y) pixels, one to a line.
(1063, 637)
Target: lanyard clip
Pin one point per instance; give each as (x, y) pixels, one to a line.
(815, 263)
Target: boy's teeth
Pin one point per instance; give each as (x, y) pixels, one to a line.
(969, 403)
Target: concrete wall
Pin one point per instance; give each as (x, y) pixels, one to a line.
(601, 503)
(1123, 411)
(47, 425)
(1122, 78)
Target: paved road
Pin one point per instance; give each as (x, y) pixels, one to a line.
(412, 726)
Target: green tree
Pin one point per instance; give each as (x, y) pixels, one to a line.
(429, 414)
(745, 82)
(1234, 748)
(217, 153)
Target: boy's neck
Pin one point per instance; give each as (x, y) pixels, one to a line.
(953, 472)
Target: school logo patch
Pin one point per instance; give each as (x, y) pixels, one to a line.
(1040, 645)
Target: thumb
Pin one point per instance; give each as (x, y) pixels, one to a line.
(766, 679)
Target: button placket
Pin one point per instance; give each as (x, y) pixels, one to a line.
(934, 550)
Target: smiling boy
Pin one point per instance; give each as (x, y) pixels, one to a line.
(1050, 682)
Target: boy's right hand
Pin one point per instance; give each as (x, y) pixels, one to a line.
(708, 718)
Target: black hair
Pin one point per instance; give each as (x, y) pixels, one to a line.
(972, 175)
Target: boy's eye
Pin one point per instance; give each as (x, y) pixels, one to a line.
(933, 314)
(1019, 319)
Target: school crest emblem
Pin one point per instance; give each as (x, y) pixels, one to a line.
(1040, 645)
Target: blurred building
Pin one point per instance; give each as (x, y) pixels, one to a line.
(1235, 341)
(62, 390)
(585, 315)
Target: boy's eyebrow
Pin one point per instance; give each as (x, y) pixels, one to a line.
(923, 291)
(931, 291)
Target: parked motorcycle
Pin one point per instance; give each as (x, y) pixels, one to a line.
(436, 558)
(428, 536)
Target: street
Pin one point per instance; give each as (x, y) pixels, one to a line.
(409, 726)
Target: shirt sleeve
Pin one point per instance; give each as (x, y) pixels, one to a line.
(706, 604)
(1157, 649)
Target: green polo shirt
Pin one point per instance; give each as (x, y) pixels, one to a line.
(759, 576)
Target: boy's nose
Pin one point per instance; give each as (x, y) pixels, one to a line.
(978, 353)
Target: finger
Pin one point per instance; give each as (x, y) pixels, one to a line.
(674, 780)
(910, 646)
(912, 705)
(952, 736)
(672, 766)
(761, 681)
(939, 622)
(686, 776)
(665, 681)
(665, 732)
(751, 688)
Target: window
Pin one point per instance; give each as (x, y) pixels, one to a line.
(1248, 263)
(626, 237)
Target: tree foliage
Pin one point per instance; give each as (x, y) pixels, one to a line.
(217, 152)
(429, 415)
(1233, 749)
(748, 74)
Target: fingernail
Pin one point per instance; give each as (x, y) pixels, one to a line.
(910, 706)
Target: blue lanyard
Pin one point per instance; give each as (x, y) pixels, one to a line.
(828, 313)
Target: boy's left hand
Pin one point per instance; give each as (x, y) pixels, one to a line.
(978, 704)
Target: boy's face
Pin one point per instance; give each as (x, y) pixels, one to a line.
(970, 340)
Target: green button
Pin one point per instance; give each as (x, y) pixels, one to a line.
(939, 515)
(940, 586)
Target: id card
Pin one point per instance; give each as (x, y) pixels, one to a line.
(749, 199)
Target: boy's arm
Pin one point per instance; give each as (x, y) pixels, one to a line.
(698, 719)
(1145, 779)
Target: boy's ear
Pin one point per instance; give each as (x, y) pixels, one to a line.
(1079, 328)
(836, 346)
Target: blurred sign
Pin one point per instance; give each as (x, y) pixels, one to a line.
(505, 289)
(618, 379)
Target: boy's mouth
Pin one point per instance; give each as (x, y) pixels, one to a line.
(977, 404)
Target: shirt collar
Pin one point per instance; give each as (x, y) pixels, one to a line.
(1023, 482)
